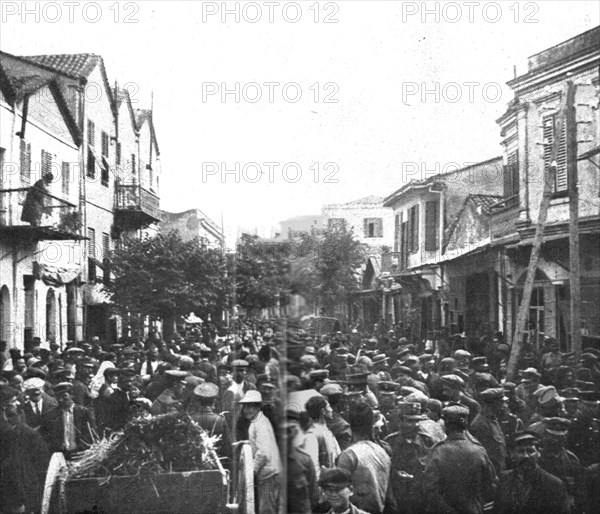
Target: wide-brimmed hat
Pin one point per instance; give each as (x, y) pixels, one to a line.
(251, 396)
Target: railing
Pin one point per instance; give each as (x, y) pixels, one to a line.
(133, 197)
(37, 208)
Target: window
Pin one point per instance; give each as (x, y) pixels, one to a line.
(561, 181)
(25, 161)
(104, 170)
(511, 178)
(105, 246)
(105, 144)
(65, 175)
(46, 163)
(432, 224)
(373, 227)
(413, 229)
(118, 154)
(91, 133)
(91, 242)
(91, 164)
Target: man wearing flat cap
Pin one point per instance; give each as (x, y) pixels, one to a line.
(527, 488)
(459, 476)
(38, 403)
(68, 428)
(337, 488)
(170, 400)
(560, 462)
(453, 390)
(486, 427)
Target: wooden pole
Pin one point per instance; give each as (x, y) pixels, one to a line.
(549, 177)
(575, 275)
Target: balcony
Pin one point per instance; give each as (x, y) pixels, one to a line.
(135, 207)
(34, 214)
(393, 262)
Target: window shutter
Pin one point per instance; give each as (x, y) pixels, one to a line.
(46, 162)
(65, 172)
(25, 158)
(105, 144)
(91, 164)
(513, 162)
(397, 233)
(415, 229)
(431, 225)
(91, 133)
(118, 154)
(379, 227)
(91, 242)
(366, 227)
(561, 179)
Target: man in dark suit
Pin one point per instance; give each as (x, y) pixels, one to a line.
(69, 428)
(527, 488)
(38, 404)
(118, 411)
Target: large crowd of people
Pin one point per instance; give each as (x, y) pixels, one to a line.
(343, 422)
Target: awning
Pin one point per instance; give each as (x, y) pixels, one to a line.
(54, 276)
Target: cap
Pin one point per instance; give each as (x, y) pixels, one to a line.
(453, 381)
(570, 394)
(388, 385)
(461, 354)
(491, 395)
(357, 378)
(33, 383)
(403, 351)
(204, 348)
(411, 359)
(342, 350)
(251, 396)
(62, 387)
(426, 357)
(547, 396)
(509, 386)
(176, 374)
(336, 477)
(206, 390)
(331, 389)
(239, 363)
(74, 350)
(530, 373)
(319, 374)
(309, 350)
(524, 437)
(478, 361)
(87, 363)
(64, 373)
(557, 426)
(224, 367)
(456, 413)
(403, 370)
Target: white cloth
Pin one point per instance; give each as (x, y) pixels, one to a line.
(69, 429)
(267, 462)
(98, 379)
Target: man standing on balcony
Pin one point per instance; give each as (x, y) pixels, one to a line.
(36, 201)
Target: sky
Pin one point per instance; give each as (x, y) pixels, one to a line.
(268, 110)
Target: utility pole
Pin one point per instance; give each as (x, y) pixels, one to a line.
(574, 268)
(568, 98)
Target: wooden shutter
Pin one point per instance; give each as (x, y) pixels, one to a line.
(561, 180)
(118, 154)
(366, 227)
(91, 133)
(46, 162)
(414, 228)
(431, 225)
(91, 242)
(91, 164)
(65, 174)
(378, 227)
(397, 233)
(25, 161)
(105, 144)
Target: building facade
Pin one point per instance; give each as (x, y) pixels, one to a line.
(193, 224)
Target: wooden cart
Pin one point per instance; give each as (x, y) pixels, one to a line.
(197, 492)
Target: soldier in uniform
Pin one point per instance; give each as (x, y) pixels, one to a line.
(453, 390)
(170, 400)
(203, 412)
(560, 462)
(486, 427)
(528, 489)
(459, 476)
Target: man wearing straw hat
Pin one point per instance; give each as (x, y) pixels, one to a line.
(266, 460)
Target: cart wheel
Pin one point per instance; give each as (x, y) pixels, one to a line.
(57, 464)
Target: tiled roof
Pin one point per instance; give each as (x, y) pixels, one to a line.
(485, 201)
(372, 199)
(23, 77)
(141, 116)
(76, 65)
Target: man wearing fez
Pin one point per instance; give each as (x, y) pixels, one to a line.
(69, 428)
(459, 476)
(528, 489)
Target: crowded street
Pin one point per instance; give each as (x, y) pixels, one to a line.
(322, 257)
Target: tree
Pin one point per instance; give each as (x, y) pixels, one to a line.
(261, 269)
(325, 269)
(165, 277)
